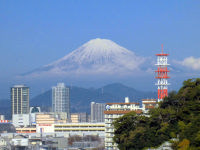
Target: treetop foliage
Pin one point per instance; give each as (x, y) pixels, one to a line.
(176, 117)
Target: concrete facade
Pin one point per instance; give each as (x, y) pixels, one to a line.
(19, 120)
(61, 99)
(97, 112)
(113, 111)
(20, 99)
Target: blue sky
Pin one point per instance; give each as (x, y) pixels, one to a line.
(35, 33)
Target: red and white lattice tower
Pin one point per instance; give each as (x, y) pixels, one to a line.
(162, 75)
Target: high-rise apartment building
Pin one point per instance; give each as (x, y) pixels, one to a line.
(113, 111)
(20, 99)
(60, 99)
(97, 112)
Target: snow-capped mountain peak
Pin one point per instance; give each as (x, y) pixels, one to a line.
(97, 56)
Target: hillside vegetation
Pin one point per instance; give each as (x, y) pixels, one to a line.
(177, 117)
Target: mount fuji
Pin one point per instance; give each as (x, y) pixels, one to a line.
(99, 62)
(96, 57)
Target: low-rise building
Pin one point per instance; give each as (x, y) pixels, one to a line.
(45, 128)
(51, 117)
(72, 128)
(21, 120)
(45, 118)
(81, 128)
(26, 129)
(79, 117)
(2, 117)
(74, 117)
(20, 141)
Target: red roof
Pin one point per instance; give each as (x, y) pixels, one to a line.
(122, 103)
(162, 54)
(121, 111)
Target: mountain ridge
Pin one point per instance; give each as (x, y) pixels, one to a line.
(80, 98)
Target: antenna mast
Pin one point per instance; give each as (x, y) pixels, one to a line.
(162, 75)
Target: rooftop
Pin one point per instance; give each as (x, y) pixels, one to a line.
(19, 86)
(122, 103)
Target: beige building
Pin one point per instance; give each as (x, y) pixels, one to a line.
(74, 117)
(72, 128)
(51, 118)
(26, 130)
(113, 111)
(79, 117)
(81, 128)
(45, 122)
(45, 118)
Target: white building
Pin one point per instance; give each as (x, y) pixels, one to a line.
(113, 111)
(60, 99)
(81, 128)
(19, 120)
(2, 117)
(20, 140)
(72, 128)
(33, 112)
(45, 128)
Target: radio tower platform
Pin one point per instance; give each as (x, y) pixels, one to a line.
(162, 75)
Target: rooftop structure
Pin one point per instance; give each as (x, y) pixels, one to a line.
(35, 109)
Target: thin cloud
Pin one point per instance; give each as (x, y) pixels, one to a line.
(191, 62)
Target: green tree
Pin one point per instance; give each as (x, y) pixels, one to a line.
(177, 116)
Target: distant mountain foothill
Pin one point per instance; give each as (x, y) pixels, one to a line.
(80, 98)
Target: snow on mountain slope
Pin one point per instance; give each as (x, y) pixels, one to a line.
(98, 56)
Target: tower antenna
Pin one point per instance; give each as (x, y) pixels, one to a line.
(162, 75)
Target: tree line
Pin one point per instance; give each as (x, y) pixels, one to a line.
(176, 119)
